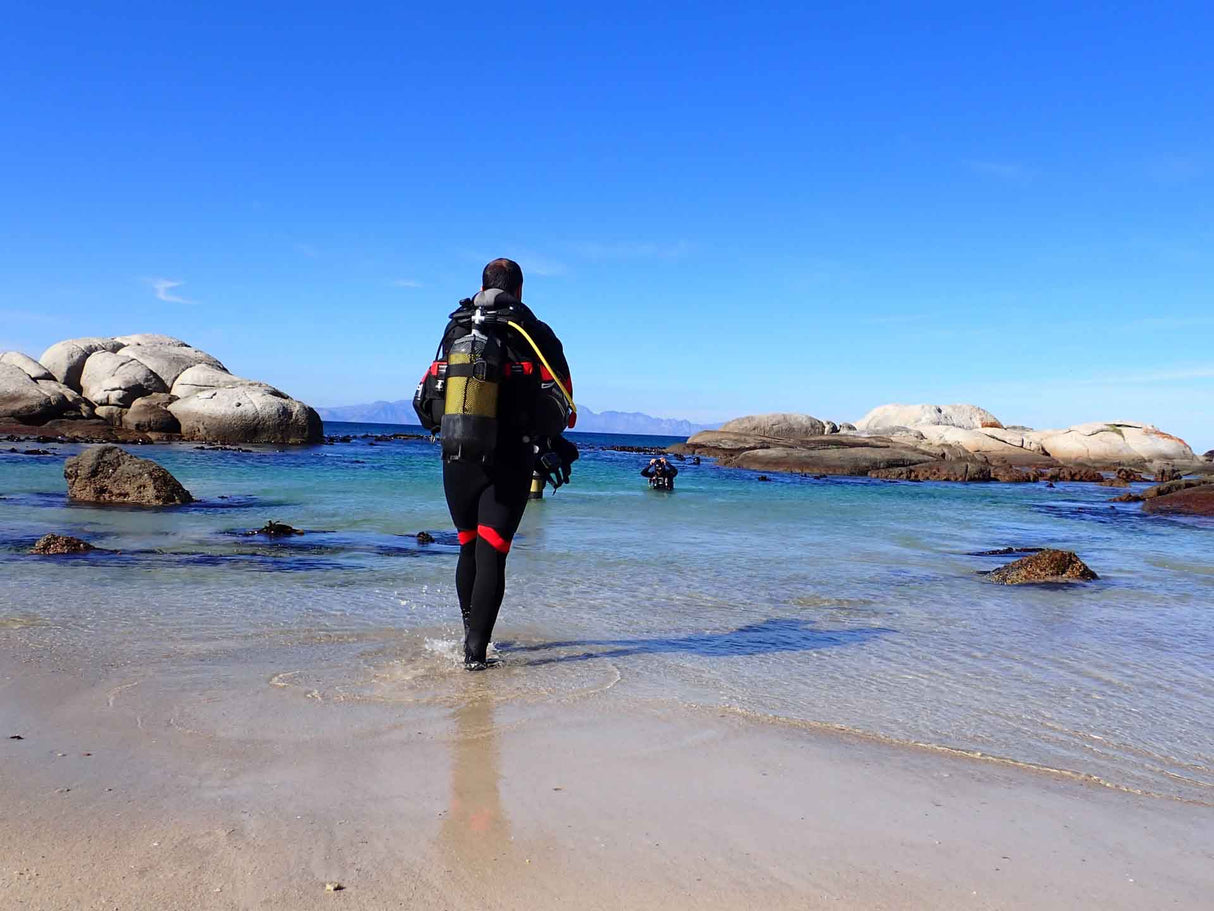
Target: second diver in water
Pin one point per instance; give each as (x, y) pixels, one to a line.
(660, 474)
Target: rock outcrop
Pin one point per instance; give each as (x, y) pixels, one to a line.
(898, 441)
(1171, 487)
(58, 545)
(816, 458)
(776, 426)
(107, 474)
(1197, 500)
(1114, 445)
(151, 387)
(31, 401)
(884, 418)
(1044, 566)
(936, 471)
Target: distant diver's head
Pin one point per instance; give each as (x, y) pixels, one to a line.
(505, 275)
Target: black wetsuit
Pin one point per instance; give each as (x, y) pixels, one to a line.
(486, 501)
(660, 475)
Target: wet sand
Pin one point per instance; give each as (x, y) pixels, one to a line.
(254, 796)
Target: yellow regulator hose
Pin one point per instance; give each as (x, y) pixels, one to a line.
(543, 360)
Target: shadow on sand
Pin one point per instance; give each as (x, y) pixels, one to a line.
(764, 638)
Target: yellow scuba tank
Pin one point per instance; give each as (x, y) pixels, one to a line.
(474, 372)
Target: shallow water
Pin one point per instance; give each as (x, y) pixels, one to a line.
(841, 602)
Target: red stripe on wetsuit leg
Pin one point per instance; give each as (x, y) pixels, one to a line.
(466, 537)
(496, 541)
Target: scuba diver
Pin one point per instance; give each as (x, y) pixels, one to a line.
(660, 473)
(500, 396)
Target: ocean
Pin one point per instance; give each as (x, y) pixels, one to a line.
(842, 603)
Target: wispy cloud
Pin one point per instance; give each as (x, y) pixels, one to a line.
(406, 283)
(1010, 171)
(162, 287)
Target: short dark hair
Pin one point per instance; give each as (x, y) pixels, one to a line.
(504, 274)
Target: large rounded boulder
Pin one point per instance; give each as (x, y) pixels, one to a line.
(246, 414)
(151, 414)
(170, 361)
(150, 338)
(1119, 444)
(31, 401)
(888, 417)
(117, 379)
(777, 426)
(65, 360)
(205, 377)
(26, 364)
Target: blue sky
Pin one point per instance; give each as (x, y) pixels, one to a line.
(720, 209)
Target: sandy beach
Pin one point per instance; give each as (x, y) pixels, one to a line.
(121, 795)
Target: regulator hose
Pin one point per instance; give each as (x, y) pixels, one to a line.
(543, 360)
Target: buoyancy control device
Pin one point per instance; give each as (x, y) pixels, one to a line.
(460, 394)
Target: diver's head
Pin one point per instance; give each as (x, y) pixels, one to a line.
(505, 275)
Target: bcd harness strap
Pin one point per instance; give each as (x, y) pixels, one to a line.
(479, 370)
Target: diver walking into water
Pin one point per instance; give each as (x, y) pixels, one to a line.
(660, 474)
(500, 395)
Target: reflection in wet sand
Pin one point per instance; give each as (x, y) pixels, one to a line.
(474, 839)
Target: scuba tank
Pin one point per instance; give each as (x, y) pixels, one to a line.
(475, 366)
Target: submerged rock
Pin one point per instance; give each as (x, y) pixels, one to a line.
(1006, 551)
(1127, 498)
(274, 529)
(1045, 566)
(56, 545)
(107, 474)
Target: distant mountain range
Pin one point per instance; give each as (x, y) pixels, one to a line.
(401, 412)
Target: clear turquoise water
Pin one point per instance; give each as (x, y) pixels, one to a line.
(842, 602)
